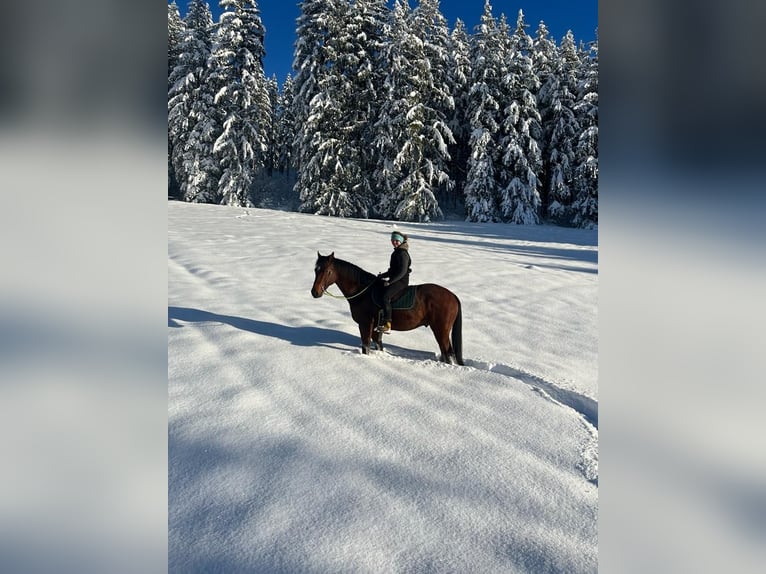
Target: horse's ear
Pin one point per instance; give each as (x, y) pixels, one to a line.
(331, 256)
(319, 254)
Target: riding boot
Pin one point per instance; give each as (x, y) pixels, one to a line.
(386, 323)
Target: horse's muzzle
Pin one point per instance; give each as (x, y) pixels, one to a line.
(316, 293)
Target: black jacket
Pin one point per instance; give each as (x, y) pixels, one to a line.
(399, 266)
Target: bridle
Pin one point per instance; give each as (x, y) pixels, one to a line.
(354, 296)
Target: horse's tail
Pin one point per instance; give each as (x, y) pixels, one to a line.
(457, 334)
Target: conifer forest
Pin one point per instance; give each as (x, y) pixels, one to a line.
(387, 114)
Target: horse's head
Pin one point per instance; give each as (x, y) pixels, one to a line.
(324, 274)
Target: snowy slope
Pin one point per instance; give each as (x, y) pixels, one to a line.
(290, 451)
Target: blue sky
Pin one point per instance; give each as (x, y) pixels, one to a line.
(580, 16)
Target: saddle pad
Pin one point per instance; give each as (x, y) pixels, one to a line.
(405, 299)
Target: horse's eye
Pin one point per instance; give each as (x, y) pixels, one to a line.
(317, 268)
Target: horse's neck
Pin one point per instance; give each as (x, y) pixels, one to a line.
(348, 281)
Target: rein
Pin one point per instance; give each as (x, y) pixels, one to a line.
(352, 296)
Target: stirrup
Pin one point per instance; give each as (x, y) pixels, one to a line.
(385, 327)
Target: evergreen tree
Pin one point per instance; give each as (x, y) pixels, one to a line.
(480, 200)
(565, 129)
(347, 105)
(272, 147)
(369, 22)
(484, 101)
(585, 206)
(191, 113)
(176, 30)
(285, 118)
(330, 177)
(521, 160)
(310, 62)
(199, 162)
(388, 127)
(459, 78)
(310, 58)
(545, 59)
(320, 184)
(436, 50)
(237, 73)
(502, 70)
(417, 134)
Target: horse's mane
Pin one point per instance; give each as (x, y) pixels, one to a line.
(355, 271)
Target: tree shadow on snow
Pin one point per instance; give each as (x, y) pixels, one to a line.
(301, 336)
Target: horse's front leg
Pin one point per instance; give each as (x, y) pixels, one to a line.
(378, 338)
(365, 331)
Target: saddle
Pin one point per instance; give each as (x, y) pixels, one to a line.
(405, 299)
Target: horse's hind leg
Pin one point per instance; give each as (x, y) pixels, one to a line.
(441, 333)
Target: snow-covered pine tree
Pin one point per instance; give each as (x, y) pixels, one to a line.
(389, 125)
(565, 130)
(176, 29)
(585, 205)
(459, 77)
(520, 152)
(417, 133)
(480, 200)
(544, 60)
(351, 102)
(370, 19)
(191, 113)
(436, 50)
(502, 177)
(309, 62)
(285, 127)
(484, 99)
(330, 176)
(319, 25)
(237, 73)
(272, 146)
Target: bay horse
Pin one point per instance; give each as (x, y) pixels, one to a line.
(434, 306)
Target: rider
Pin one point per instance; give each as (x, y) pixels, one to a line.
(397, 277)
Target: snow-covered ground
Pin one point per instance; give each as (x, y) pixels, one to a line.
(290, 451)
